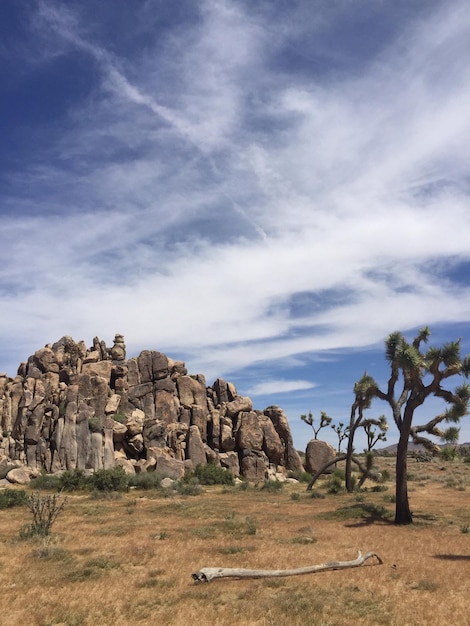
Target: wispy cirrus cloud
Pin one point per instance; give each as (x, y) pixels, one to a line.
(237, 189)
(279, 386)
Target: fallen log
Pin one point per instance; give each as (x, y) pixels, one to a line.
(207, 574)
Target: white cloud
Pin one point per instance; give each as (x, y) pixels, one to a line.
(279, 386)
(199, 188)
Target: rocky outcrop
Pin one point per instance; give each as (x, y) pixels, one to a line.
(92, 408)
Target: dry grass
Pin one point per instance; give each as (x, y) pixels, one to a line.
(129, 560)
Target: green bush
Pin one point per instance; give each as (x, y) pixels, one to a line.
(386, 475)
(120, 417)
(12, 497)
(335, 483)
(188, 486)
(145, 480)
(272, 486)
(46, 481)
(302, 477)
(211, 474)
(448, 453)
(74, 480)
(379, 488)
(114, 479)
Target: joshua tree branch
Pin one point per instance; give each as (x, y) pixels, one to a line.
(207, 574)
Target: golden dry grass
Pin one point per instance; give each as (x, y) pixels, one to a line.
(129, 560)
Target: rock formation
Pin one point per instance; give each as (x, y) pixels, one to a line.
(73, 407)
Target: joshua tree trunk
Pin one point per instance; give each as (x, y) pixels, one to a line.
(402, 508)
(348, 468)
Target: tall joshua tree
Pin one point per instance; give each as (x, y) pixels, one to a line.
(414, 376)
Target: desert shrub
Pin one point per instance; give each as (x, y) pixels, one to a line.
(251, 526)
(120, 417)
(145, 480)
(304, 541)
(244, 485)
(188, 486)
(335, 483)
(272, 486)
(302, 477)
(385, 475)
(49, 482)
(12, 497)
(114, 479)
(379, 488)
(448, 453)
(211, 474)
(74, 480)
(45, 510)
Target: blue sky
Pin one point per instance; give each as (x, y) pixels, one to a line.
(264, 190)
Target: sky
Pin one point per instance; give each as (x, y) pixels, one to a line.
(264, 190)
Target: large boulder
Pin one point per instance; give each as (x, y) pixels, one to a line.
(240, 403)
(229, 461)
(225, 392)
(272, 444)
(152, 365)
(173, 468)
(166, 406)
(191, 391)
(254, 465)
(250, 433)
(22, 475)
(317, 454)
(195, 450)
(227, 437)
(292, 460)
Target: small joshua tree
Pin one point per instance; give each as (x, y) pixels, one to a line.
(373, 435)
(325, 421)
(342, 432)
(450, 436)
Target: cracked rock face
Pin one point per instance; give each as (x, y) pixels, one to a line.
(73, 407)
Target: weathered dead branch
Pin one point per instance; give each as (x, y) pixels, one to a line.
(207, 574)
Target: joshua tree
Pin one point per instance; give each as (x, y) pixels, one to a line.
(342, 432)
(324, 422)
(373, 435)
(450, 436)
(362, 400)
(414, 376)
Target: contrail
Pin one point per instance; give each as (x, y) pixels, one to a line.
(61, 21)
